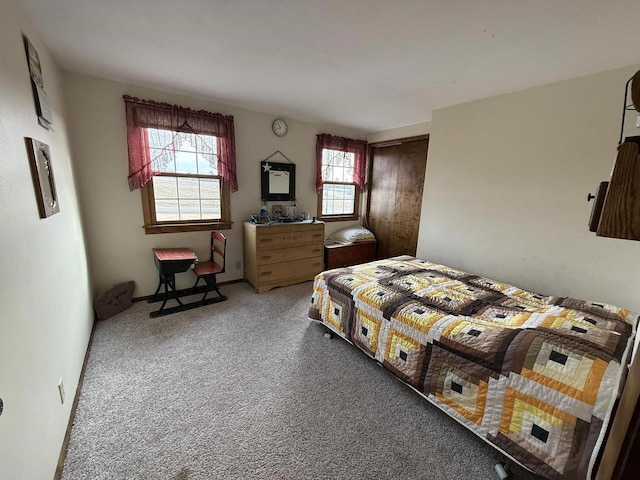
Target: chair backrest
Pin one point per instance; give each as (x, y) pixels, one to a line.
(218, 248)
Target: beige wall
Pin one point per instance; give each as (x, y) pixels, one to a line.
(119, 250)
(44, 285)
(400, 132)
(506, 186)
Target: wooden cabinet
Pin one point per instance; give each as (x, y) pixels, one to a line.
(616, 212)
(339, 255)
(619, 216)
(282, 254)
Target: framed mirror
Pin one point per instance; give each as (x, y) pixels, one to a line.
(278, 181)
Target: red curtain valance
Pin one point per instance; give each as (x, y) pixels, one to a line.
(143, 114)
(347, 145)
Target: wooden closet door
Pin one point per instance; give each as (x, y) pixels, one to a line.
(396, 180)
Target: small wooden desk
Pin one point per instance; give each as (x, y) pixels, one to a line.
(174, 260)
(170, 261)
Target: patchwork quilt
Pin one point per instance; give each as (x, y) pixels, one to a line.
(536, 376)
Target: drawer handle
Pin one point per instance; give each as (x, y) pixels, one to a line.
(266, 257)
(264, 274)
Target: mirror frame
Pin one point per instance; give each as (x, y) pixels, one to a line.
(279, 167)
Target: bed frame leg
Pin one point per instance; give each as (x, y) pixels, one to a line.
(501, 470)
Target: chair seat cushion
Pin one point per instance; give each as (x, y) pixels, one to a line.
(206, 268)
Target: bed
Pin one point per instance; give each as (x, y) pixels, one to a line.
(538, 377)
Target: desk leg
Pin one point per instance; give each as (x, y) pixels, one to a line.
(159, 285)
(171, 280)
(165, 280)
(169, 284)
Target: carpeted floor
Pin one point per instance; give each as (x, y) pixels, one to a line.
(250, 389)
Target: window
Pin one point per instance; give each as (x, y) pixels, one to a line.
(187, 187)
(184, 163)
(340, 197)
(341, 164)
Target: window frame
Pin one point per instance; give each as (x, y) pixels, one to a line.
(339, 217)
(152, 225)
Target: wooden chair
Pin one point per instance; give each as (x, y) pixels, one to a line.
(208, 270)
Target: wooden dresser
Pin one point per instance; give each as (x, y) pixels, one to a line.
(282, 254)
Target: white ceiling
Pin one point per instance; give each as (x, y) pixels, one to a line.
(366, 64)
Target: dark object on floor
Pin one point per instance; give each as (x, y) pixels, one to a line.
(115, 300)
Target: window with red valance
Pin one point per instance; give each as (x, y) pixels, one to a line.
(340, 176)
(184, 161)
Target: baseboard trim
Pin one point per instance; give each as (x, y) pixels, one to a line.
(72, 417)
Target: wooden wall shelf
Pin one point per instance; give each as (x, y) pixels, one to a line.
(620, 215)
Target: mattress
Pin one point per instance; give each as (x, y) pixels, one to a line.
(535, 376)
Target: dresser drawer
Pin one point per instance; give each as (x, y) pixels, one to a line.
(266, 257)
(274, 238)
(284, 270)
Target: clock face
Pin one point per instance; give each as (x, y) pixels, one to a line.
(279, 127)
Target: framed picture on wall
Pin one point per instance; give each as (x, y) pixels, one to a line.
(35, 70)
(42, 174)
(45, 116)
(278, 181)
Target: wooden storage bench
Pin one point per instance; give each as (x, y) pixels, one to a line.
(343, 255)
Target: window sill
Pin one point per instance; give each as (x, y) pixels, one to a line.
(185, 227)
(339, 218)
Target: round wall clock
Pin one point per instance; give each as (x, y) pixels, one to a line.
(279, 127)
